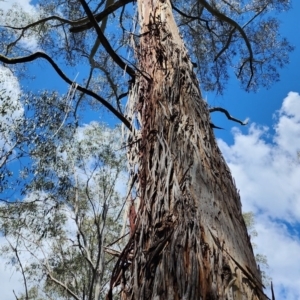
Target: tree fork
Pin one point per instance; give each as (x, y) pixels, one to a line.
(190, 240)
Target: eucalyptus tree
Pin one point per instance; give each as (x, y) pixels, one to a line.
(62, 227)
(188, 239)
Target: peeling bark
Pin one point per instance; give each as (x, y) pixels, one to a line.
(189, 240)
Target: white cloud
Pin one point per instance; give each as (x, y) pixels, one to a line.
(288, 126)
(10, 84)
(25, 4)
(20, 13)
(283, 253)
(268, 176)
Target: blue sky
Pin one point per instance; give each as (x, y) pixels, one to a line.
(262, 156)
(263, 160)
(260, 106)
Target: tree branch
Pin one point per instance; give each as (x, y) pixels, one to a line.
(82, 94)
(116, 58)
(37, 55)
(62, 285)
(14, 249)
(46, 20)
(227, 44)
(103, 27)
(233, 23)
(256, 15)
(80, 24)
(88, 24)
(272, 291)
(229, 117)
(187, 16)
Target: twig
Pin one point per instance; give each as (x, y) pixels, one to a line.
(112, 243)
(15, 250)
(116, 58)
(233, 23)
(69, 291)
(188, 16)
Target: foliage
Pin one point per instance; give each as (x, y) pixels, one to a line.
(65, 212)
(260, 258)
(241, 36)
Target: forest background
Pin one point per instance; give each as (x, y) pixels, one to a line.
(264, 156)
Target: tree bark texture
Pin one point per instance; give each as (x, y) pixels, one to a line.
(189, 239)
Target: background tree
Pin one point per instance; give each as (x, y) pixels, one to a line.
(57, 232)
(189, 239)
(262, 262)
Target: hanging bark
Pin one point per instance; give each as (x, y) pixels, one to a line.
(190, 240)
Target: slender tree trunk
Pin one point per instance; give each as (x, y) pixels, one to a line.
(190, 239)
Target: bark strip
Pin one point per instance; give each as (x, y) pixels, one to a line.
(190, 239)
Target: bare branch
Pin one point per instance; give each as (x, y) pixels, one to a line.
(15, 250)
(226, 46)
(272, 290)
(112, 252)
(62, 285)
(213, 126)
(187, 16)
(229, 117)
(15, 295)
(112, 243)
(103, 27)
(80, 233)
(37, 55)
(111, 82)
(88, 24)
(44, 20)
(80, 24)
(116, 58)
(123, 95)
(256, 15)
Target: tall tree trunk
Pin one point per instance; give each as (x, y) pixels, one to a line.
(190, 240)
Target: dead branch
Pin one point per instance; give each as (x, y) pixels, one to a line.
(37, 55)
(229, 117)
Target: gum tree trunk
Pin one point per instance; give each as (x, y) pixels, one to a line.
(189, 239)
